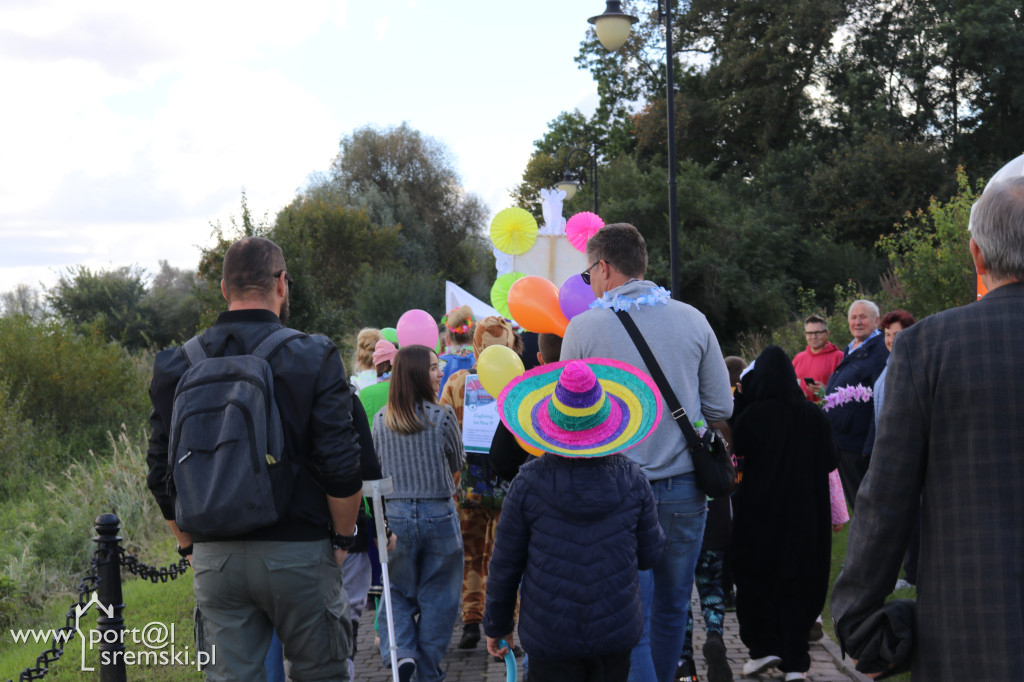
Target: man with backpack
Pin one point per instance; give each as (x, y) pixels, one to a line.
(253, 458)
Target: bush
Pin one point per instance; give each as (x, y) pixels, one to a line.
(27, 449)
(46, 553)
(77, 387)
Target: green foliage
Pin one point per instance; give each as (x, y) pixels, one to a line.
(77, 387)
(929, 252)
(174, 305)
(29, 450)
(326, 246)
(106, 303)
(401, 176)
(44, 553)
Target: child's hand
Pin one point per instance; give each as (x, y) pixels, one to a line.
(495, 650)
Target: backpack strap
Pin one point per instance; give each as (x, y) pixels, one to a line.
(194, 351)
(274, 340)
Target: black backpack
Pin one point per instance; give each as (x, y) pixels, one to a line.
(226, 461)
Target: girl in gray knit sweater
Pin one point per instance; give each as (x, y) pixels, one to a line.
(420, 446)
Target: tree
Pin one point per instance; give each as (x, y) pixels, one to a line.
(106, 303)
(22, 300)
(402, 177)
(327, 246)
(931, 262)
(173, 305)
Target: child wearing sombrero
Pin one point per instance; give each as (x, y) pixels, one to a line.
(577, 523)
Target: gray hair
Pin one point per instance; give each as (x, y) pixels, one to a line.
(998, 228)
(870, 305)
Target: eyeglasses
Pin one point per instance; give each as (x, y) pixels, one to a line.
(586, 273)
(823, 331)
(287, 277)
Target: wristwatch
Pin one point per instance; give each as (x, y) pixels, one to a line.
(184, 551)
(344, 542)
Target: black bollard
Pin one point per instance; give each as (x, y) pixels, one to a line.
(111, 627)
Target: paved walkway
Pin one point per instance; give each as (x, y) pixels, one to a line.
(475, 665)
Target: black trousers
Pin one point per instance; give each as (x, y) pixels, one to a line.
(853, 467)
(612, 668)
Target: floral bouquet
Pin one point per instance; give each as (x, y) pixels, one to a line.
(845, 394)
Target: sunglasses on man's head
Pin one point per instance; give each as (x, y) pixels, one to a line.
(287, 277)
(586, 273)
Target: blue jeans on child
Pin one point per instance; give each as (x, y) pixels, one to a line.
(665, 590)
(425, 572)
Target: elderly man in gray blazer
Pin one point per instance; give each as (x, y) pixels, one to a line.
(952, 435)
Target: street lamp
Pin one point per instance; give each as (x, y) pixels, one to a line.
(570, 182)
(613, 27)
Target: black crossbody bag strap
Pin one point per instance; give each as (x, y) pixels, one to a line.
(678, 413)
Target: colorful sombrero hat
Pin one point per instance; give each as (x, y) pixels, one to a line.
(581, 408)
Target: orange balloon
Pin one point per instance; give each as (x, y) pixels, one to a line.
(533, 302)
(536, 452)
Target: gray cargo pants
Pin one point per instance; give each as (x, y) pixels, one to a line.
(245, 590)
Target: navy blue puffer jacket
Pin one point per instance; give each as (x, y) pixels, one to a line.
(574, 531)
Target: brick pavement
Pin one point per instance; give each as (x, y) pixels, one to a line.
(475, 665)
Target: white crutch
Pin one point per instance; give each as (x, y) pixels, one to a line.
(376, 490)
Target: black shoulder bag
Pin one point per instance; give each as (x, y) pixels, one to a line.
(712, 463)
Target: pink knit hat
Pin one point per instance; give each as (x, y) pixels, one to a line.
(384, 351)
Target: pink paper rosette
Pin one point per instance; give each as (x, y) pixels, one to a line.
(582, 227)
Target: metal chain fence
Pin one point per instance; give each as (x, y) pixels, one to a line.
(107, 527)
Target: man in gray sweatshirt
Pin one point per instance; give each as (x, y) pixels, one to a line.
(687, 350)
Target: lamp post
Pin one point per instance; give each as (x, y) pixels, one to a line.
(571, 182)
(613, 27)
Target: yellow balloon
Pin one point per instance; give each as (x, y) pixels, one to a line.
(498, 365)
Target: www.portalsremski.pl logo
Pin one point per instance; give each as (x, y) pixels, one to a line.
(156, 640)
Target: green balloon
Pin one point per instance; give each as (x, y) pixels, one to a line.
(391, 334)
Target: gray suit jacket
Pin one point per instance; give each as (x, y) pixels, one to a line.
(951, 434)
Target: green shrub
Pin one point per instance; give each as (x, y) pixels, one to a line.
(28, 449)
(81, 387)
(48, 529)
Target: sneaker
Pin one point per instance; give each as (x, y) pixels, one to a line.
(795, 677)
(756, 666)
(406, 669)
(470, 636)
(714, 657)
(816, 633)
(686, 672)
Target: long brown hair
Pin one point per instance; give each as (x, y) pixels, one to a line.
(410, 384)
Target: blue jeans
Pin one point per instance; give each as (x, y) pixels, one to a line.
(425, 571)
(665, 590)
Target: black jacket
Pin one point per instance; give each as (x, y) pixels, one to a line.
(852, 421)
(315, 403)
(574, 531)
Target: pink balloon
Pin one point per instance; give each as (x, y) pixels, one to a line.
(416, 328)
(582, 227)
(575, 296)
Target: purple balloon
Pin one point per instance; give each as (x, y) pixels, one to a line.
(575, 296)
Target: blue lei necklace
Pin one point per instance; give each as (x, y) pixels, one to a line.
(618, 302)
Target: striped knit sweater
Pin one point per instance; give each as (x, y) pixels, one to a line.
(421, 464)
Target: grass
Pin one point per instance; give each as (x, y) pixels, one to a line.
(839, 541)
(169, 604)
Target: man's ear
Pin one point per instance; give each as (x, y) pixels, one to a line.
(224, 291)
(979, 260)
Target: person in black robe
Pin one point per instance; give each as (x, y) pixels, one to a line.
(782, 527)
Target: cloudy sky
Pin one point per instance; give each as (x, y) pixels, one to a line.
(128, 128)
